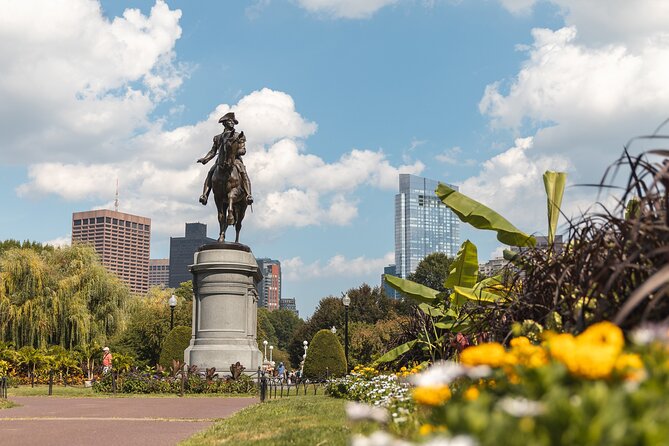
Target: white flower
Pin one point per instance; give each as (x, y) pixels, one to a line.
(358, 411)
(521, 407)
(378, 438)
(445, 372)
(459, 440)
(648, 333)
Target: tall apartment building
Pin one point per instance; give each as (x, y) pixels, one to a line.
(121, 240)
(159, 272)
(288, 304)
(269, 288)
(423, 224)
(182, 251)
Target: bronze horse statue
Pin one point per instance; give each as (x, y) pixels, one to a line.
(229, 195)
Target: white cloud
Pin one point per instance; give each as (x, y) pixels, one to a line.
(75, 81)
(295, 268)
(453, 156)
(292, 188)
(632, 23)
(511, 184)
(345, 9)
(586, 88)
(519, 7)
(60, 241)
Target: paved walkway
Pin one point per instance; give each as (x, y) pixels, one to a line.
(47, 421)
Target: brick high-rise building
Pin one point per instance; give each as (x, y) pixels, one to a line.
(269, 288)
(121, 240)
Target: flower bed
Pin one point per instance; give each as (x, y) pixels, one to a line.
(138, 382)
(585, 389)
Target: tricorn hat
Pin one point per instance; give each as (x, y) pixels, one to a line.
(230, 116)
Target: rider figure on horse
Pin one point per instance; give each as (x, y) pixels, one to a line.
(221, 143)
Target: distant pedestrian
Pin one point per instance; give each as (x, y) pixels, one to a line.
(282, 371)
(106, 360)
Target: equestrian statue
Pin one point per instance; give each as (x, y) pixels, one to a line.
(227, 178)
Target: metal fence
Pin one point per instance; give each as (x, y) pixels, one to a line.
(275, 387)
(3, 387)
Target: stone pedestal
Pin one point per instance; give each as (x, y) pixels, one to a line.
(224, 308)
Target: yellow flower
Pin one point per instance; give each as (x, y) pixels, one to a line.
(525, 353)
(592, 354)
(426, 429)
(472, 393)
(630, 366)
(604, 333)
(403, 369)
(431, 395)
(491, 354)
(520, 341)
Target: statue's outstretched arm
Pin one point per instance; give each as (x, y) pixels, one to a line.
(212, 153)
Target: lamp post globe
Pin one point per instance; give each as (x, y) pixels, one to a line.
(173, 304)
(333, 330)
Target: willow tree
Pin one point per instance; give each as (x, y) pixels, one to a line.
(63, 297)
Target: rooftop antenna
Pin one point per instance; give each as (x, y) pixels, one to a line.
(116, 199)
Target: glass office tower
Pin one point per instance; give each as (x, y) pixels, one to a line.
(423, 224)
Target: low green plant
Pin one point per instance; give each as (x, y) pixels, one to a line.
(325, 357)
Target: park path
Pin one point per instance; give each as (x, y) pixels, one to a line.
(55, 421)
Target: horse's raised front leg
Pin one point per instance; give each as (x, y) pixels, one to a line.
(231, 214)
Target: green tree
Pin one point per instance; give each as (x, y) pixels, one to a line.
(325, 355)
(285, 323)
(149, 323)
(432, 271)
(266, 331)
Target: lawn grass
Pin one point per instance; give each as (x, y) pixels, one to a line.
(297, 420)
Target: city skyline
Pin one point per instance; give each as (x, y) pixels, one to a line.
(336, 99)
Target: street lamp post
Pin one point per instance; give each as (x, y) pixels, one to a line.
(304, 358)
(271, 348)
(173, 304)
(265, 355)
(333, 330)
(346, 301)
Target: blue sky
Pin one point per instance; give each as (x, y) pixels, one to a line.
(336, 98)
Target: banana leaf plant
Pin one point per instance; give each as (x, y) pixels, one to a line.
(554, 183)
(445, 309)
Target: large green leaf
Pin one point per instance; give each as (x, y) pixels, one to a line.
(431, 310)
(493, 285)
(482, 217)
(554, 183)
(414, 290)
(476, 294)
(396, 352)
(465, 267)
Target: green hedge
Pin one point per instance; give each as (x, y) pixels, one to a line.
(175, 344)
(325, 353)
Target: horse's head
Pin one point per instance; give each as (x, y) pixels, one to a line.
(236, 146)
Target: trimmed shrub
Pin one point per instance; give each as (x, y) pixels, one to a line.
(325, 353)
(174, 345)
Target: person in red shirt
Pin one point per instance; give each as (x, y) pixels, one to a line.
(106, 360)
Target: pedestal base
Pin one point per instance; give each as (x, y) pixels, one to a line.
(224, 308)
